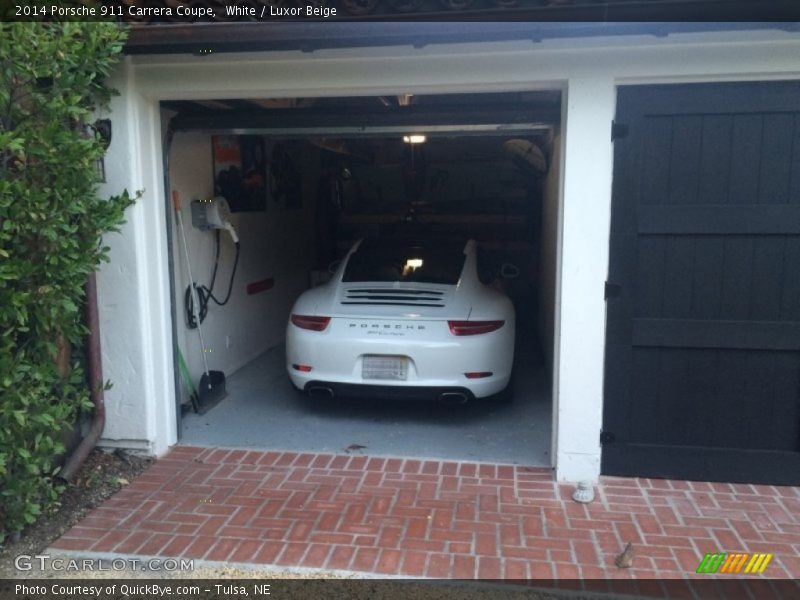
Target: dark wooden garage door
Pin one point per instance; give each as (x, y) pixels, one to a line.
(703, 330)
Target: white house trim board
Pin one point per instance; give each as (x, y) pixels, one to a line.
(580, 312)
(134, 290)
(470, 67)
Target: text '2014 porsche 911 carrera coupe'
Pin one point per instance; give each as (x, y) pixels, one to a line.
(403, 318)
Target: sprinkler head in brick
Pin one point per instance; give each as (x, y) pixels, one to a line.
(584, 493)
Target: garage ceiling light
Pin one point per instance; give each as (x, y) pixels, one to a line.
(412, 264)
(414, 139)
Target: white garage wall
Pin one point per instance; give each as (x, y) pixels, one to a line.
(134, 288)
(276, 243)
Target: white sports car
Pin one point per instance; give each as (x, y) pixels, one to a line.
(403, 318)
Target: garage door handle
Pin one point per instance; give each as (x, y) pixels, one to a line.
(613, 290)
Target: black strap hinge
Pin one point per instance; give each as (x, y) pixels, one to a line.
(612, 290)
(618, 131)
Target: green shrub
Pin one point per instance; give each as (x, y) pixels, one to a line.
(51, 224)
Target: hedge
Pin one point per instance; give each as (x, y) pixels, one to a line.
(52, 87)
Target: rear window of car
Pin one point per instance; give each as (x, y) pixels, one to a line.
(405, 261)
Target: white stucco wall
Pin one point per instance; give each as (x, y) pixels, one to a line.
(133, 288)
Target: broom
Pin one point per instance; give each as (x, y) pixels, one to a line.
(212, 383)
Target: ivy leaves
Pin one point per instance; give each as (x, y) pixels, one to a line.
(52, 82)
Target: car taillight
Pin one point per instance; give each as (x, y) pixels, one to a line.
(302, 368)
(312, 323)
(474, 327)
(478, 374)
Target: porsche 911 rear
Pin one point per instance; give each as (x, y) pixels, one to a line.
(428, 332)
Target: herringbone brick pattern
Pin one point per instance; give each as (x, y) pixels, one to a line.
(432, 518)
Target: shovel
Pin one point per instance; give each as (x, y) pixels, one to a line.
(212, 383)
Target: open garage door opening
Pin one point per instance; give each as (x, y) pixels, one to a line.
(373, 216)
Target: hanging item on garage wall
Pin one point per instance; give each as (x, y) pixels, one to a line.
(240, 171)
(285, 182)
(527, 155)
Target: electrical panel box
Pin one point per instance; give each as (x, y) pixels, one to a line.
(199, 212)
(213, 213)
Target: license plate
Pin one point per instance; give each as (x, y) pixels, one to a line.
(385, 367)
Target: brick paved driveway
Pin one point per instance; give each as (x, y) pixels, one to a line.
(431, 518)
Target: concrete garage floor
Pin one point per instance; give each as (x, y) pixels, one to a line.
(262, 411)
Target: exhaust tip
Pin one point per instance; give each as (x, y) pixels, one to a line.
(320, 391)
(453, 398)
